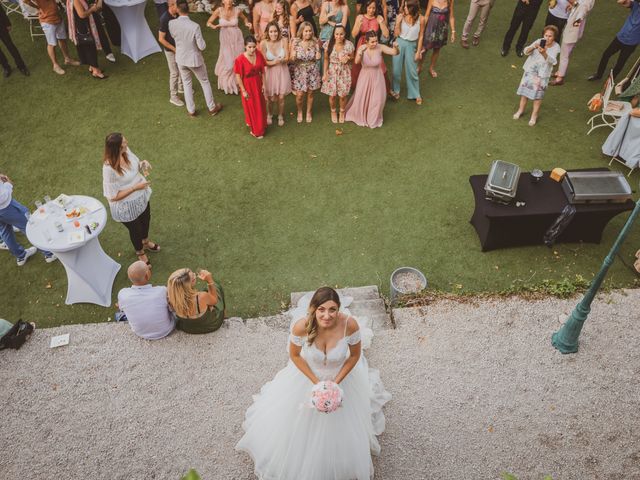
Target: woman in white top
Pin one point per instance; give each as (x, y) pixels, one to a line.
(409, 31)
(559, 13)
(128, 192)
(543, 55)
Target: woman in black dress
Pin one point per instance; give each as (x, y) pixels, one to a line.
(302, 11)
(85, 34)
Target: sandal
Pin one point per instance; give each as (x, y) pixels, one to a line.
(395, 95)
(299, 117)
(280, 120)
(334, 116)
(309, 117)
(341, 116)
(269, 120)
(151, 246)
(419, 101)
(433, 73)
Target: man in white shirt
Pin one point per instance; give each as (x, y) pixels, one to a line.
(146, 306)
(189, 46)
(14, 214)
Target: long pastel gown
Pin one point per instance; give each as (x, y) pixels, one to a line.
(290, 441)
(255, 111)
(366, 105)
(231, 45)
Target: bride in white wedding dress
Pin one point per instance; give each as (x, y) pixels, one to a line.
(290, 441)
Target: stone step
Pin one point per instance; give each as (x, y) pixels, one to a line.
(358, 293)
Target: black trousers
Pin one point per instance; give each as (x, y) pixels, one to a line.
(139, 228)
(614, 47)
(113, 27)
(558, 22)
(161, 8)
(525, 15)
(102, 34)
(5, 36)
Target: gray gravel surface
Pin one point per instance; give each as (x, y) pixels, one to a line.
(477, 391)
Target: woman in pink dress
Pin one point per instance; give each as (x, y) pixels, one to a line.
(262, 15)
(367, 103)
(231, 43)
(249, 69)
(277, 81)
(370, 20)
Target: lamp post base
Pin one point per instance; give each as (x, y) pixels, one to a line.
(563, 346)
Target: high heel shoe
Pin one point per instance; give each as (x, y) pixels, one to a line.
(341, 116)
(309, 117)
(334, 116)
(299, 117)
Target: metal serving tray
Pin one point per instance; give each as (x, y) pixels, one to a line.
(596, 187)
(502, 181)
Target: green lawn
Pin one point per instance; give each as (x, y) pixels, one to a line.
(302, 207)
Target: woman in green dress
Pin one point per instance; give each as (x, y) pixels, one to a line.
(196, 311)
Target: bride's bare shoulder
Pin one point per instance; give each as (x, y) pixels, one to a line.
(299, 329)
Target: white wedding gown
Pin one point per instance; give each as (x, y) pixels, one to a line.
(288, 440)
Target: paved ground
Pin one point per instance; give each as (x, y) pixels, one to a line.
(478, 390)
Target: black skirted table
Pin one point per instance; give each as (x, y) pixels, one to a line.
(502, 226)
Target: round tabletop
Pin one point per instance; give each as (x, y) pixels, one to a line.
(123, 3)
(81, 219)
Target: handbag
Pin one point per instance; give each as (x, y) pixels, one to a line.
(84, 38)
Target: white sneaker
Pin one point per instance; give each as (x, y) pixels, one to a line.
(176, 101)
(50, 258)
(111, 57)
(29, 252)
(3, 246)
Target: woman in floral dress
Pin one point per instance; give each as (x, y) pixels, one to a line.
(543, 55)
(305, 54)
(439, 18)
(336, 81)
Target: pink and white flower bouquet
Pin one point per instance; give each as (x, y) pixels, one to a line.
(326, 396)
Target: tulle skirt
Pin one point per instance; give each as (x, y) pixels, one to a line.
(288, 440)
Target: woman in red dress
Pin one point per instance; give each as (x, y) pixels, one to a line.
(249, 69)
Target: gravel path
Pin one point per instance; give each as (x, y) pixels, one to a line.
(478, 390)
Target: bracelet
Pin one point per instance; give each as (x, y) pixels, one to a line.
(211, 284)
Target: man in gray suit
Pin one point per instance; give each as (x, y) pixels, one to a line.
(189, 46)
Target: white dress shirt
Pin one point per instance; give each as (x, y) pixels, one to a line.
(6, 191)
(147, 311)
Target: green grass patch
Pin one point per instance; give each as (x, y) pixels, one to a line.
(303, 207)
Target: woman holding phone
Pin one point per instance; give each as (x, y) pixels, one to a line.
(543, 55)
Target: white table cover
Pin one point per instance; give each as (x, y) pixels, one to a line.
(90, 271)
(137, 39)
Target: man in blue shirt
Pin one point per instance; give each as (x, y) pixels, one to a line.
(624, 42)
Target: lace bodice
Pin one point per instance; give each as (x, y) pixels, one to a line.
(326, 367)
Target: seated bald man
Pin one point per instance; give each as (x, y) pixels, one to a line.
(146, 306)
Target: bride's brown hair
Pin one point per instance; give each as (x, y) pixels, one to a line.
(322, 295)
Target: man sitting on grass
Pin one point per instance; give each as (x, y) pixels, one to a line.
(144, 305)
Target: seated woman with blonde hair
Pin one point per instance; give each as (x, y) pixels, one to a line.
(196, 312)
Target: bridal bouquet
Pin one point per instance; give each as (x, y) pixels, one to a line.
(326, 396)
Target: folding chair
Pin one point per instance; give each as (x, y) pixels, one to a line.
(11, 6)
(631, 76)
(612, 110)
(30, 14)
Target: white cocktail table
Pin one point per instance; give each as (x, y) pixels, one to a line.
(137, 39)
(90, 271)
